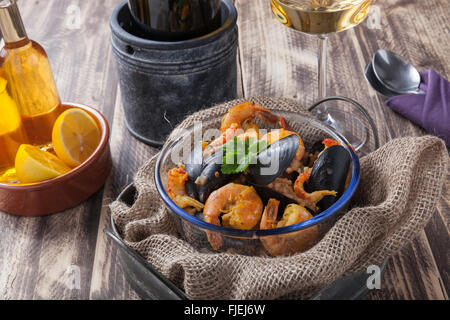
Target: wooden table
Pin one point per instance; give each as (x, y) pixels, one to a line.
(41, 257)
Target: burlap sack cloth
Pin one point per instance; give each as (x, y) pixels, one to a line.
(399, 188)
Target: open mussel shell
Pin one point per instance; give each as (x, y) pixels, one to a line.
(273, 161)
(204, 175)
(211, 177)
(191, 189)
(266, 193)
(193, 167)
(330, 173)
(194, 164)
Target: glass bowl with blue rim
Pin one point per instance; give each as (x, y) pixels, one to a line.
(271, 242)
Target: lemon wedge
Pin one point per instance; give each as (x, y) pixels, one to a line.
(75, 136)
(34, 165)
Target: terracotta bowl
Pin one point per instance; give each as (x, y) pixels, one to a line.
(66, 191)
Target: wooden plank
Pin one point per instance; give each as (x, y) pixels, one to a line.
(417, 42)
(128, 155)
(413, 274)
(41, 257)
(278, 61)
(438, 235)
(420, 44)
(19, 250)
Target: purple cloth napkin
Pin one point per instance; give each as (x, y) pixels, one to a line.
(431, 110)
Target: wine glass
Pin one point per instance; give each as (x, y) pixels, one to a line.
(322, 17)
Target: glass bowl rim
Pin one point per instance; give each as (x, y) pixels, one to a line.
(323, 216)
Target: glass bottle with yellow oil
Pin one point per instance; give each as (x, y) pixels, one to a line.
(12, 132)
(29, 100)
(29, 77)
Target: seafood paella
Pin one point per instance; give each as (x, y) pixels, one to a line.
(250, 178)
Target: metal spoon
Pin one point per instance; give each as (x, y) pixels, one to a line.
(395, 73)
(376, 85)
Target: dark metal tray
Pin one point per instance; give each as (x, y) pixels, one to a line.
(150, 284)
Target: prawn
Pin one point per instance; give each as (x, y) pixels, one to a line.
(176, 189)
(290, 243)
(240, 207)
(233, 131)
(313, 197)
(244, 114)
(239, 122)
(279, 134)
(330, 142)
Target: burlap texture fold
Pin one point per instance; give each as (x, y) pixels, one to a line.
(400, 186)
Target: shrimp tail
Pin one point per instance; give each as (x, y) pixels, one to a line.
(313, 197)
(244, 112)
(176, 188)
(286, 125)
(270, 214)
(268, 116)
(215, 239)
(186, 201)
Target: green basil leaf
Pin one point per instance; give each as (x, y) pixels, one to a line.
(239, 154)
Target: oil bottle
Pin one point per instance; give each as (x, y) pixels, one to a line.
(29, 79)
(12, 133)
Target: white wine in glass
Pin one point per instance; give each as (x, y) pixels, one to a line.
(321, 17)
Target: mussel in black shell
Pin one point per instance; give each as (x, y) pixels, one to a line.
(266, 194)
(330, 172)
(205, 175)
(273, 161)
(193, 168)
(194, 164)
(211, 177)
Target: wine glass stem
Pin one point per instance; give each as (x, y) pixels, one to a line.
(322, 59)
(322, 56)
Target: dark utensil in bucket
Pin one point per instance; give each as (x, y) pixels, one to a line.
(162, 82)
(174, 19)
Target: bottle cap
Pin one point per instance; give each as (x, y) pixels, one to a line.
(11, 24)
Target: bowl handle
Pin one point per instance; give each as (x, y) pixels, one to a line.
(360, 108)
(161, 287)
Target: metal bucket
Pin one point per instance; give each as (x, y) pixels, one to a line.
(162, 82)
